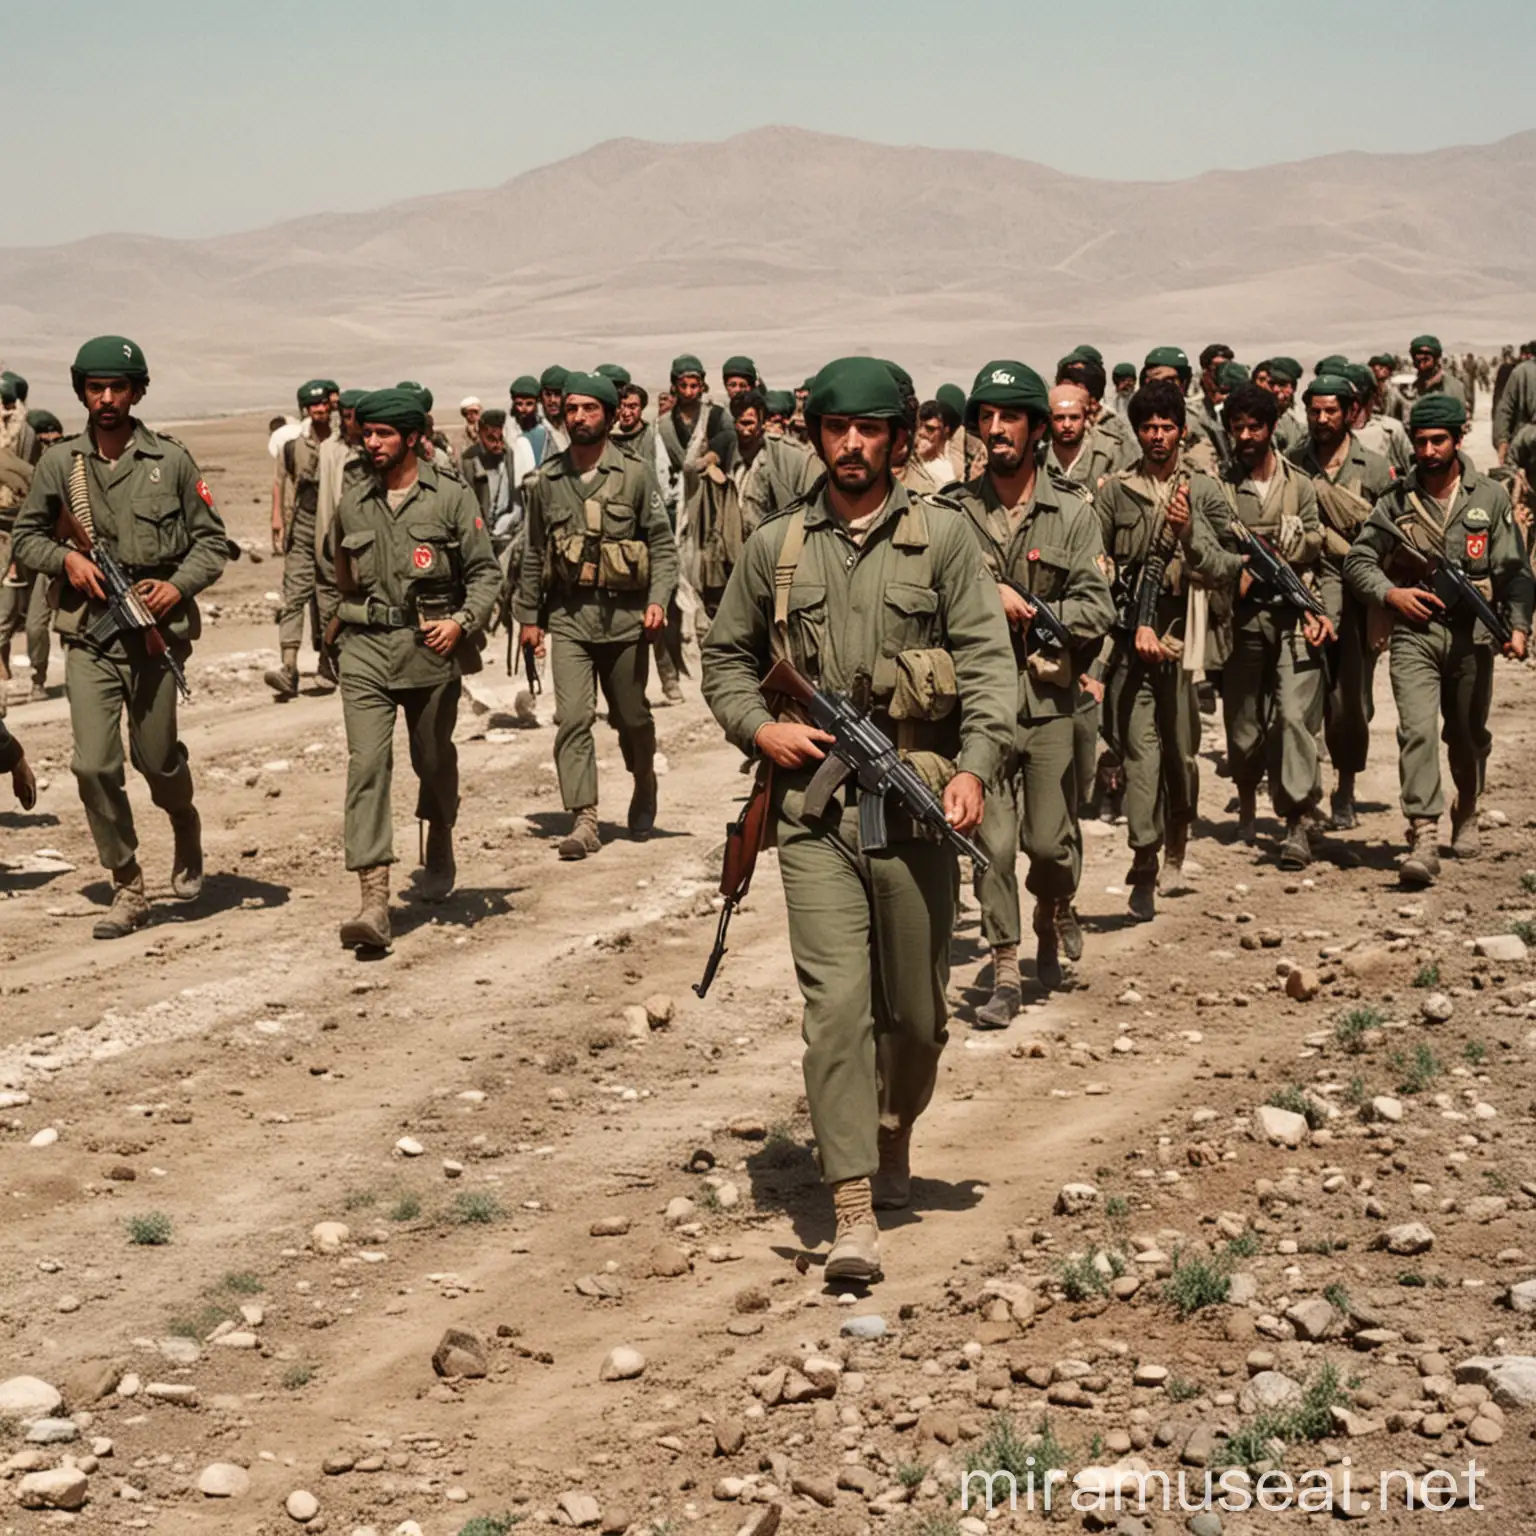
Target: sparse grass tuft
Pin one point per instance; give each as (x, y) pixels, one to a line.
(1528, 880)
(932, 1523)
(780, 1148)
(1524, 930)
(1196, 1283)
(1293, 1099)
(1337, 1297)
(1029, 1459)
(1427, 975)
(474, 1208)
(1325, 1246)
(297, 1376)
(242, 1282)
(1311, 1419)
(910, 1474)
(1417, 1073)
(196, 1325)
(1243, 1247)
(1475, 1053)
(1413, 1279)
(489, 1525)
(1082, 1279)
(1181, 1391)
(1117, 1207)
(1357, 1093)
(407, 1207)
(1349, 1028)
(709, 1199)
(152, 1229)
(358, 1199)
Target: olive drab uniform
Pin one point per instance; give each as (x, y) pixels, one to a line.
(600, 551)
(23, 593)
(300, 469)
(1344, 501)
(783, 471)
(1272, 682)
(1053, 549)
(152, 510)
(391, 564)
(903, 621)
(1151, 716)
(1443, 671)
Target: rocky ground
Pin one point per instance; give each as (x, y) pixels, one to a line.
(509, 1228)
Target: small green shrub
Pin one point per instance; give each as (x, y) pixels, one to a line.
(1418, 1072)
(1196, 1283)
(297, 1376)
(1349, 1028)
(152, 1229)
(407, 1207)
(1293, 1099)
(474, 1208)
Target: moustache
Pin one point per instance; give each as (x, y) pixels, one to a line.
(853, 461)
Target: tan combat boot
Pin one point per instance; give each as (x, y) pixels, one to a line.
(891, 1187)
(583, 839)
(130, 906)
(1421, 864)
(1173, 881)
(284, 680)
(1047, 951)
(1465, 842)
(855, 1251)
(187, 855)
(438, 870)
(1007, 991)
(370, 928)
(1296, 850)
(1069, 931)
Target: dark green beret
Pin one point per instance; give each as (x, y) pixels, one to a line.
(331, 386)
(350, 397)
(807, 381)
(1230, 375)
(1281, 368)
(1005, 383)
(856, 386)
(1124, 371)
(615, 371)
(686, 363)
(594, 385)
(1168, 357)
(1329, 384)
(1437, 410)
(524, 384)
(1383, 360)
(952, 397)
(1334, 363)
(898, 373)
(1361, 377)
(420, 390)
(553, 377)
(1426, 343)
(781, 402)
(400, 408)
(1086, 354)
(13, 386)
(493, 417)
(109, 357)
(44, 421)
(7, 391)
(739, 367)
(313, 393)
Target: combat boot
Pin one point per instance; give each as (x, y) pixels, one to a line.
(1421, 864)
(855, 1251)
(1142, 879)
(1069, 931)
(1173, 882)
(1247, 815)
(370, 928)
(1465, 843)
(1296, 850)
(583, 838)
(1007, 992)
(325, 670)
(284, 680)
(891, 1186)
(38, 694)
(130, 906)
(187, 854)
(666, 670)
(1342, 804)
(438, 870)
(1047, 954)
(642, 804)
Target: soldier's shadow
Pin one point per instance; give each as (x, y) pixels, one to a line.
(222, 892)
(553, 825)
(21, 821)
(466, 907)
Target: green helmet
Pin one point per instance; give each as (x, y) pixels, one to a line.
(1005, 383)
(108, 357)
(854, 386)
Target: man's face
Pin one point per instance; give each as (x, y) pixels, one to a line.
(1434, 448)
(630, 411)
(857, 450)
(1006, 431)
(387, 448)
(1382, 372)
(1250, 440)
(1425, 363)
(109, 402)
(1159, 437)
(526, 409)
(349, 422)
(493, 438)
(1069, 416)
(688, 387)
(735, 385)
(1164, 371)
(1284, 391)
(550, 398)
(931, 437)
(749, 430)
(1125, 388)
(471, 415)
(1326, 417)
(318, 411)
(585, 419)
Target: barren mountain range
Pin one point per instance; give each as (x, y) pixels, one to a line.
(795, 246)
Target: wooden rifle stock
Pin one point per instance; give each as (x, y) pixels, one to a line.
(744, 839)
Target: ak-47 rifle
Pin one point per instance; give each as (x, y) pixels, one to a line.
(1451, 584)
(1267, 565)
(1140, 609)
(744, 840)
(126, 611)
(530, 667)
(1046, 631)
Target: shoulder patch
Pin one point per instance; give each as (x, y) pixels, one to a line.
(1476, 517)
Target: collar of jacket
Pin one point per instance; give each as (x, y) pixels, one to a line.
(611, 459)
(911, 522)
(143, 444)
(426, 480)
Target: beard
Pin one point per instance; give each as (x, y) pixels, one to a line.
(1004, 455)
(852, 473)
(586, 435)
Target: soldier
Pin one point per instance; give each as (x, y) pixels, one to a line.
(1071, 449)
(1108, 438)
(860, 587)
(16, 433)
(631, 431)
(738, 375)
(1171, 364)
(780, 473)
(1377, 430)
(1389, 398)
(598, 572)
(781, 410)
(692, 419)
(1430, 376)
(1123, 379)
(469, 409)
(551, 396)
(1037, 535)
(23, 594)
(407, 582)
(720, 517)
(151, 510)
(1516, 406)
(495, 471)
(47, 428)
(295, 507)
(1275, 375)
(928, 470)
(1348, 480)
(1158, 520)
(525, 421)
(1445, 511)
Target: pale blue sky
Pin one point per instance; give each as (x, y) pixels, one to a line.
(180, 118)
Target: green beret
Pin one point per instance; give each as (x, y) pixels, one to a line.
(686, 363)
(781, 402)
(1334, 363)
(44, 421)
(1437, 410)
(1015, 385)
(1087, 354)
(1329, 384)
(350, 397)
(1426, 344)
(109, 357)
(1168, 357)
(594, 385)
(1361, 377)
(952, 398)
(7, 391)
(523, 384)
(856, 386)
(419, 390)
(739, 367)
(807, 381)
(1281, 368)
(1230, 375)
(313, 393)
(553, 377)
(615, 371)
(898, 373)
(400, 408)
(1124, 371)
(1383, 360)
(331, 386)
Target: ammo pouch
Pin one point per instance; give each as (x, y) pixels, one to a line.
(587, 559)
(624, 565)
(923, 686)
(1051, 668)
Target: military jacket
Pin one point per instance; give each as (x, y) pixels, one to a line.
(152, 511)
(782, 472)
(1344, 502)
(1443, 384)
(1517, 403)
(1099, 457)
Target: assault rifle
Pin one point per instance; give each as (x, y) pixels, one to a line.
(1277, 573)
(1451, 584)
(1046, 631)
(744, 839)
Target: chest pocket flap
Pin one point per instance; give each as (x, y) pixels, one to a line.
(432, 550)
(159, 532)
(912, 614)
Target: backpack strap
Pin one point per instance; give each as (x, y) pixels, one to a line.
(784, 578)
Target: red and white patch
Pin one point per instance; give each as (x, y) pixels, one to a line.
(1477, 545)
(421, 557)
(204, 493)
(1034, 554)
(478, 525)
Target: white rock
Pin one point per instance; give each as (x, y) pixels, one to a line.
(1384, 1107)
(224, 1480)
(408, 1146)
(1074, 1199)
(622, 1364)
(1437, 1008)
(1410, 1238)
(1507, 947)
(236, 1338)
(52, 1431)
(28, 1397)
(580, 1508)
(45, 1137)
(329, 1236)
(62, 1488)
(301, 1505)
(1511, 1379)
(1280, 1127)
(1522, 1297)
(1269, 1389)
(14, 1098)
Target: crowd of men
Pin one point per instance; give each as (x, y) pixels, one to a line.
(1033, 590)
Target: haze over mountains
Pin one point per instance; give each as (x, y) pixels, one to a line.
(795, 246)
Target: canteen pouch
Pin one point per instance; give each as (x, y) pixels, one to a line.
(624, 565)
(924, 686)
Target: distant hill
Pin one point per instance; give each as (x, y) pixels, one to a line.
(795, 246)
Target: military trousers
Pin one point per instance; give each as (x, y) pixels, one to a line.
(1440, 679)
(1085, 748)
(620, 668)
(298, 580)
(102, 685)
(1350, 703)
(870, 935)
(1272, 701)
(25, 606)
(1152, 725)
(1034, 808)
(369, 707)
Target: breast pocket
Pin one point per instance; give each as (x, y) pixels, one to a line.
(359, 551)
(1050, 565)
(807, 620)
(911, 618)
(434, 552)
(159, 530)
